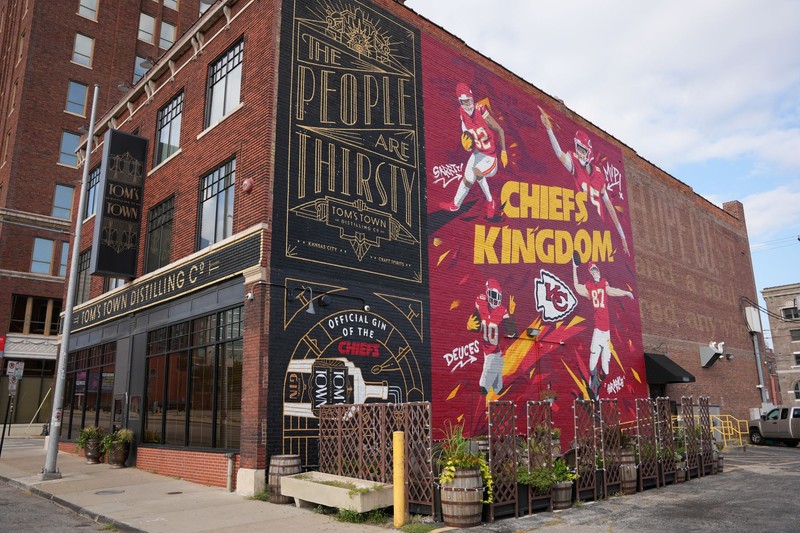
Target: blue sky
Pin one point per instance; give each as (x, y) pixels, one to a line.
(708, 91)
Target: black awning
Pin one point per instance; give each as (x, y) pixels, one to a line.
(661, 369)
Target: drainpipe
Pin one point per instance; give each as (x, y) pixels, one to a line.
(231, 457)
(758, 366)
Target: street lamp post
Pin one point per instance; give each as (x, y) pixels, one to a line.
(50, 470)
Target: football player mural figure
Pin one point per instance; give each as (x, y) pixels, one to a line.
(480, 135)
(493, 321)
(587, 176)
(597, 290)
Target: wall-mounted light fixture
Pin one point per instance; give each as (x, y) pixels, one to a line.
(147, 62)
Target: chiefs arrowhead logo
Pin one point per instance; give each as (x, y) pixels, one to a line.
(554, 298)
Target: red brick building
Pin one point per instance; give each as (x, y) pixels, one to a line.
(53, 55)
(324, 203)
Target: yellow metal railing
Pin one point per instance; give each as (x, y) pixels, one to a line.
(725, 428)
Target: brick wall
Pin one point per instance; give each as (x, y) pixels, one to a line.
(197, 467)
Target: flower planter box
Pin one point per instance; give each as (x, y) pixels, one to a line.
(341, 492)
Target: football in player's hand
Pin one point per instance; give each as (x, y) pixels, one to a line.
(576, 258)
(467, 142)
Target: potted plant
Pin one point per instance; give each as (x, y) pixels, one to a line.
(117, 445)
(464, 477)
(720, 457)
(555, 441)
(563, 477)
(89, 440)
(548, 395)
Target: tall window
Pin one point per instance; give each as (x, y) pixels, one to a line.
(216, 204)
(88, 9)
(204, 6)
(147, 27)
(84, 279)
(69, 147)
(193, 382)
(62, 202)
(795, 334)
(159, 235)
(224, 84)
(167, 36)
(83, 50)
(797, 358)
(62, 266)
(169, 128)
(173, 4)
(42, 260)
(797, 391)
(89, 393)
(91, 193)
(76, 98)
(138, 69)
(32, 315)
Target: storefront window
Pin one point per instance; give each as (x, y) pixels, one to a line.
(194, 382)
(88, 400)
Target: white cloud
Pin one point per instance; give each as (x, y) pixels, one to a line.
(772, 213)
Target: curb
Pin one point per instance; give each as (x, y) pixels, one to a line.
(94, 517)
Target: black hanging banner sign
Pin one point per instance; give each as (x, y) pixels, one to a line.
(116, 229)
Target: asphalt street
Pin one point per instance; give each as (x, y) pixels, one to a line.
(757, 491)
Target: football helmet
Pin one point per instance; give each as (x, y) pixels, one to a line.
(493, 293)
(465, 98)
(583, 147)
(594, 270)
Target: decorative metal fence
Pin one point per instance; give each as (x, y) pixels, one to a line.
(690, 436)
(585, 450)
(666, 439)
(648, 452)
(503, 460)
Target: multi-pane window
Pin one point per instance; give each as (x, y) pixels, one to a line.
(76, 98)
(42, 259)
(139, 69)
(84, 280)
(62, 265)
(83, 49)
(167, 35)
(216, 204)
(88, 9)
(173, 4)
(91, 193)
(89, 389)
(193, 382)
(147, 27)
(224, 84)
(113, 283)
(797, 391)
(791, 313)
(69, 146)
(62, 202)
(168, 132)
(32, 315)
(797, 359)
(795, 334)
(159, 235)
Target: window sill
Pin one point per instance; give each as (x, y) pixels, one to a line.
(164, 162)
(220, 121)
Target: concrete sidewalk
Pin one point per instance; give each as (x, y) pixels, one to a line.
(134, 500)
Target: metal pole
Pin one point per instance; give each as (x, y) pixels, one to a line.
(5, 421)
(50, 471)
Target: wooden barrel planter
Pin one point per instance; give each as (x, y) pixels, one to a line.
(279, 466)
(628, 485)
(462, 503)
(562, 495)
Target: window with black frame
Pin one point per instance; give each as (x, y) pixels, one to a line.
(216, 204)
(89, 389)
(193, 382)
(224, 84)
(159, 234)
(168, 129)
(91, 193)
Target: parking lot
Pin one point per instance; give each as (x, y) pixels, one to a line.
(756, 492)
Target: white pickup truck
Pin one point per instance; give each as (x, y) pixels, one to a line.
(781, 424)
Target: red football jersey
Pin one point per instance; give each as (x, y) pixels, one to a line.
(597, 292)
(592, 184)
(476, 125)
(491, 323)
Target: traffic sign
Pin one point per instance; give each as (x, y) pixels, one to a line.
(15, 368)
(12, 385)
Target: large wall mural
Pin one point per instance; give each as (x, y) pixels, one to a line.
(485, 255)
(349, 306)
(531, 262)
